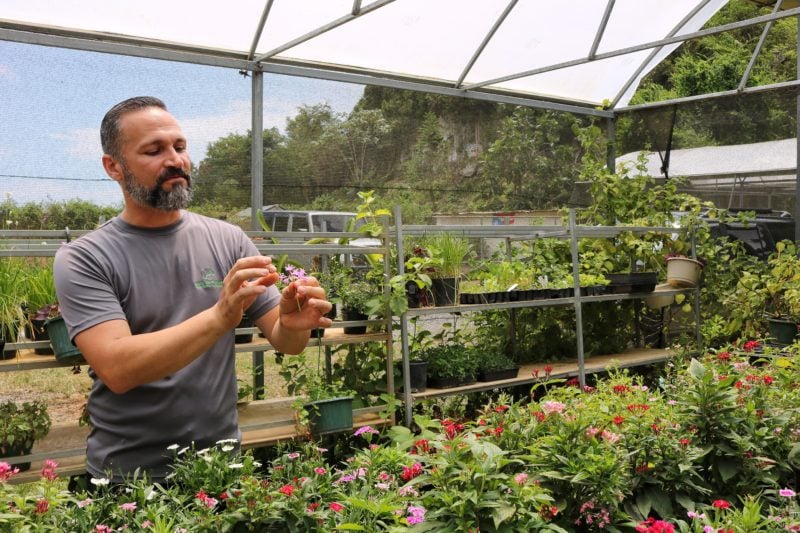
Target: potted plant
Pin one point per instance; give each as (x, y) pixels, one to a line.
(40, 303)
(494, 366)
(355, 298)
(451, 251)
(781, 289)
(450, 365)
(12, 316)
(65, 351)
(323, 405)
(20, 426)
(682, 271)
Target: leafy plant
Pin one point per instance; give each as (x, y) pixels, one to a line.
(451, 251)
(449, 361)
(22, 424)
(492, 361)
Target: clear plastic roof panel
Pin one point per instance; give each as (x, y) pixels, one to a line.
(532, 48)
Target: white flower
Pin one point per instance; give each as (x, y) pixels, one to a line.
(100, 482)
(235, 465)
(172, 447)
(228, 441)
(228, 448)
(183, 450)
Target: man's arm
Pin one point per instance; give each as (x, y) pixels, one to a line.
(124, 361)
(302, 307)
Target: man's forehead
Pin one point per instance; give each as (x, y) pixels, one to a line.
(150, 125)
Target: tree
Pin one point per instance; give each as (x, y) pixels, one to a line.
(224, 175)
(531, 164)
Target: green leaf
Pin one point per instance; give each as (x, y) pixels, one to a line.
(728, 469)
(643, 503)
(661, 502)
(350, 527)
(502, 514)
(696, 369)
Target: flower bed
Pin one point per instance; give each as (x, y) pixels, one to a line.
(708, 450)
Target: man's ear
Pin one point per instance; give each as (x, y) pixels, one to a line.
(113, 168)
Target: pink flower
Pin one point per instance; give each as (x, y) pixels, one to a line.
(84, 503)
(293, 455)
(521, 478)
(416, 515)
(100, 528)
(6, 472)
(553, 407)
(319, 470)
(286, 489)
(721, 504)
(129, 506)
(365, 429)
(336, 507)
(49, 470)
(787, 493)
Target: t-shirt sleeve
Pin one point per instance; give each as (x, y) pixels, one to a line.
(85, 294)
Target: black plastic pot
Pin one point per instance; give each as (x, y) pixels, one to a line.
(352, 315)
(444, 291)
(498, 375)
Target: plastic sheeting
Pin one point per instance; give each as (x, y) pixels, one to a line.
(526, 48)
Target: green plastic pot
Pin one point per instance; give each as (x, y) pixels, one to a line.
(332, 415)
(65, 351)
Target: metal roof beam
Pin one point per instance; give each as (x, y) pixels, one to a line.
(702, 97)
(259, 29)
(420, 86)
(104, 43)
(656, 51)
(323, 29)
(601, 29)
(638, 48)
(485, 42)
(757, 51)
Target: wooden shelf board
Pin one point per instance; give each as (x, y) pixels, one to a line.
(561, 369)
(262, 422)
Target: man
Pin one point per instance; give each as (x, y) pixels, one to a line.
(151, 298)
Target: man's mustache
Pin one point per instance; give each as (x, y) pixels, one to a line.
(173, 173)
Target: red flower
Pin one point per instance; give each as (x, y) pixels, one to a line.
(724, 356)
(548, 369)
(621, 389)
(535, 373)
(336, 507)
(312, 507)
(651, 525)
(618, 420)
(722, 504)
(548, 512)
(42, 506)
(768, 380)
(286, 489)
(501, 409)
(684, 442)
(411, 472)
(749, 346)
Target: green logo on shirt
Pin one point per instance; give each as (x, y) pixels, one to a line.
(209, 280)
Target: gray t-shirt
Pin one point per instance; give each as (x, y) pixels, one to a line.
(154, 279)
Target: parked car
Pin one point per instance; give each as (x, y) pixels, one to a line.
(284, 220)
(759, 235)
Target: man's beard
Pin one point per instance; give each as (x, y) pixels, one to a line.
(176, 198)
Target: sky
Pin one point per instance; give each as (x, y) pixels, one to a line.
(52, 101)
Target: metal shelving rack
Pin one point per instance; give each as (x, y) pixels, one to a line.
(574, 233)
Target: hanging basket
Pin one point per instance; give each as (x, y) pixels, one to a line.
(65, 351)
(683, 272)
(332, 415)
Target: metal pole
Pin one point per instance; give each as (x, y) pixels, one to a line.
(407, 397)
(797, 160)
(256, 197)
(577, 284)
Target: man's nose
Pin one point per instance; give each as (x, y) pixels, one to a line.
(175, 158)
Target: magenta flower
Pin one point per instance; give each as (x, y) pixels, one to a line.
(365, 429)
(416, 515)
(787, 493)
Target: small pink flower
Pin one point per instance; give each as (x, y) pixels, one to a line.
(336, 507)
(521, 478)
(293, 455)
(84, 503)
(365, 429)
(787, 493)
(319, 470)
(129, 506)
(6, 471)
(42, 506)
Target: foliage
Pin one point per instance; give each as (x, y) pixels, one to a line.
(12, 280)
(492, 361)
(22, 424)
(73, 214)
(450, 360)
(714, 446)
(303, 379)
(449, 252)
(530, 164)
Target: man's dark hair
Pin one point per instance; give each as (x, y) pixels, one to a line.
(109, 128)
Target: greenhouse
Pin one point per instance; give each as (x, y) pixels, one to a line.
(557, 248)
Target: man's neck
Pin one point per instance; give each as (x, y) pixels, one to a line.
(149, 217)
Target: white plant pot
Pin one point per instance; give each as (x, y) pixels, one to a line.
(656, 300)
(683, 272)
